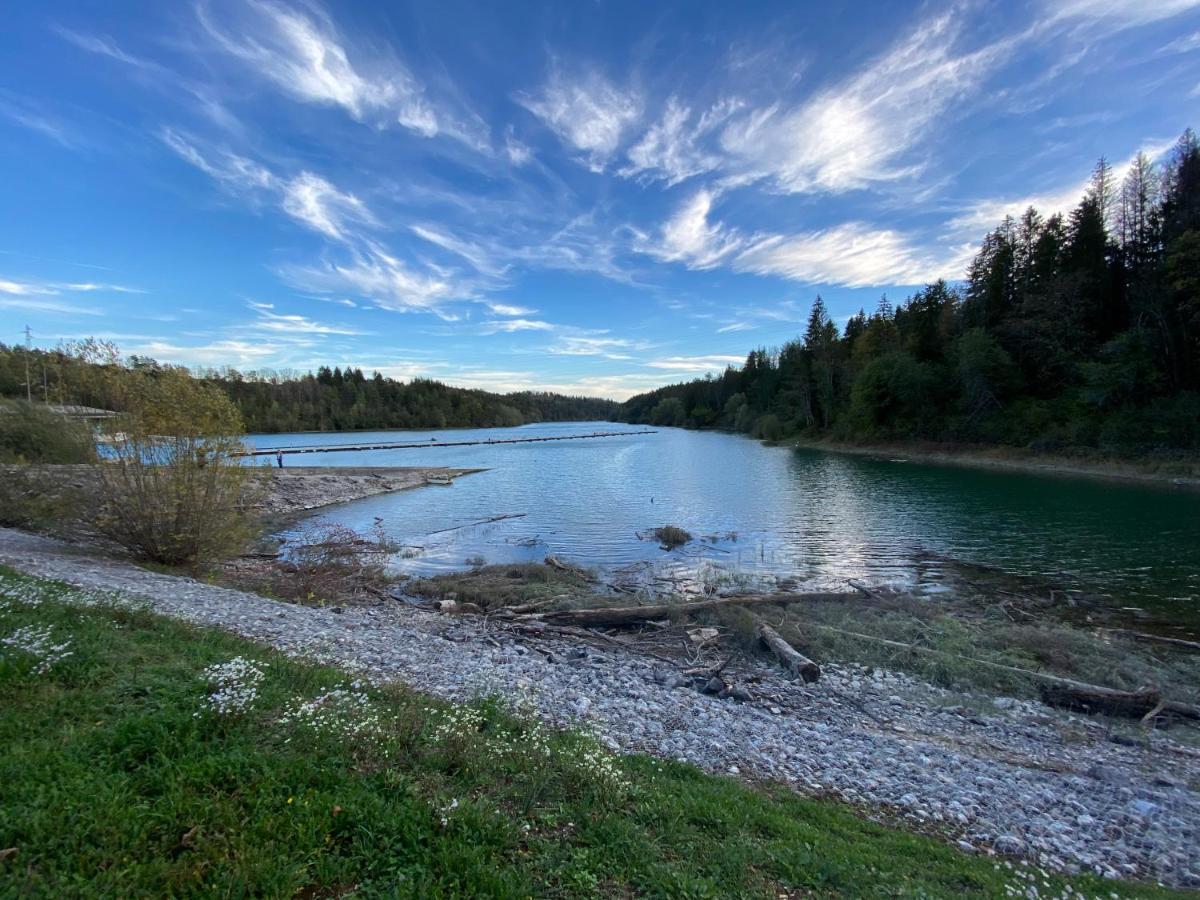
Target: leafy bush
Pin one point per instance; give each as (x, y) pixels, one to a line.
(769, 428)
(172, 488)
(33, 434)
(671, 536)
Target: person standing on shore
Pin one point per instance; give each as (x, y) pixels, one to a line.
(279, 458)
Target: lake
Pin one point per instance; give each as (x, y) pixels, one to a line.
(768, 513)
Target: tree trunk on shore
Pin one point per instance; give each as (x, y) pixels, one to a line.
(634, 615)
(792, 660)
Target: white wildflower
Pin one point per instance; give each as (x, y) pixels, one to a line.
(233, 686)
(347, 712)
(38, 642)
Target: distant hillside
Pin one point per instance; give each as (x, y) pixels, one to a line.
(1075, 332)
(330, 400)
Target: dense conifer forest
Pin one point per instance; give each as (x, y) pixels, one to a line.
(331, 400)
(1068, 332)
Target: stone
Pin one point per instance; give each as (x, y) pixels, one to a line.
(1009, 845)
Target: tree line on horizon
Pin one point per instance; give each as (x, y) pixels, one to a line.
(330, 400)
(1069, 332)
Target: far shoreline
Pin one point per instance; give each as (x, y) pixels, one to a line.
(1180, 474)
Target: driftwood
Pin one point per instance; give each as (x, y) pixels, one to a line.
(1143, 704)
(480, 522)
(792, 660)
(634, 615)
(570, 569)
(1156, 638)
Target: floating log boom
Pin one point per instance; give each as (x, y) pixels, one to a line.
(425, 445)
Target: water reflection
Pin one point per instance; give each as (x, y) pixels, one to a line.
(772, 512)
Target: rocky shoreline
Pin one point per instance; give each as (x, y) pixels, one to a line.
(296, 489)
(995, 776)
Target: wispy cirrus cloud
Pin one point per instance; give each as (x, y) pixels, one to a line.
(50, 288)
(852, 254)
(588, 114)
(311, 199)
(690, 238)
(41, 305)
(300, 51)
(378, 276)
(508, 326)
(984, 215)
(33, 116)
(862, 130)
(1120, 12)
(306, 197)
(671, 149)
(294, 324)
(693, 364)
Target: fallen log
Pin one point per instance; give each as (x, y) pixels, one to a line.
(1156, 638)
(633, 615)
(792, 660)
(570, 569)
(1063, 692)
(480, 522)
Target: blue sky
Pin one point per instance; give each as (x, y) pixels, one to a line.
(594, 198)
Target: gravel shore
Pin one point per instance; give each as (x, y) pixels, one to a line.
(993, 775)
(295, 489)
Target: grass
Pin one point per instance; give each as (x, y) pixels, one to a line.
(962, 633)
(116, 780)
(500, 586)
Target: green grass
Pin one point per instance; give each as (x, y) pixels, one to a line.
(111, 785)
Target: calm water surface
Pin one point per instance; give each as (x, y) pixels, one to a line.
(814, 516)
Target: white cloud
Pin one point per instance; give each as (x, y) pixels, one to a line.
(33, 304)
(735, 326)
(595, 344)
(691, 364)
(305, 58)
(589, 114)
(1124, 12)
(860, 132)
(853, 255)
(1185, 44)
(216, 353)
(103, 46)
(506, 309)
(518, 153)
(508, 326)
(235, 173)
(669, 149)
(306, 197)
(312, 200)
(479, 257)
(984, 215)
(387, 282)
(303, 54)
(32, 116)
(293, 324)
(51, 288)
(688, 237)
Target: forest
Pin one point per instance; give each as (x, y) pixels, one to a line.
(1075, 333)
(331, 400)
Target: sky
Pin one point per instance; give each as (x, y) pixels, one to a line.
(589, 197)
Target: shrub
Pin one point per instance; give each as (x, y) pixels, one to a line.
(30, 497)
(172, 487)
(769, 427)
(328, 563)
(671, 536)
(33, 434)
